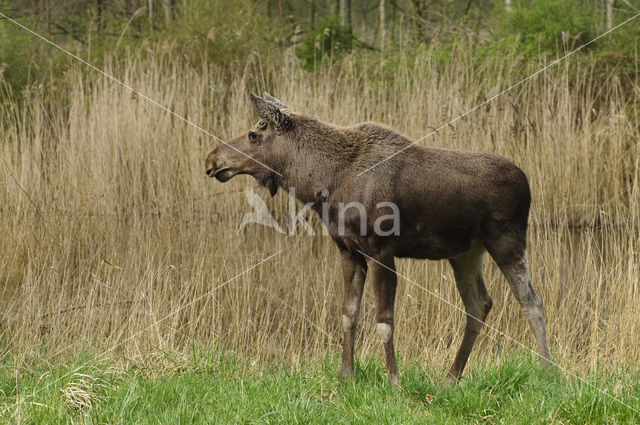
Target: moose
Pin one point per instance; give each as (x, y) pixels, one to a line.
(453, 204)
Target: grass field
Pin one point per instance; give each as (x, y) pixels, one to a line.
(110, 230)
(225, 389)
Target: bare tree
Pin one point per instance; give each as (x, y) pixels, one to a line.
(610, 12)
(420, 8)
(151, 12)
(345, 13)
(312, 12)
(281, 10)
(334, 6)
(383, 34)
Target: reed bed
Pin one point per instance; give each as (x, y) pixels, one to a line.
(109, 224)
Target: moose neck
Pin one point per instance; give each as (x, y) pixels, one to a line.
(319, 156)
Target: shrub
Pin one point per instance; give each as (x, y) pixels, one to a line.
(328, 40)
(545, 26)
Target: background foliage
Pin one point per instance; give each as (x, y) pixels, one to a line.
(226, 34)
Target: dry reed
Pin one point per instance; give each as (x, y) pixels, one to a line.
(108, 222)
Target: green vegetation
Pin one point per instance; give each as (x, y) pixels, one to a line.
(223, 389)
(547, 27)
(227, 34)
(328, 40)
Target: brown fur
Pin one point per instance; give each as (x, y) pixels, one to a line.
(453, 205)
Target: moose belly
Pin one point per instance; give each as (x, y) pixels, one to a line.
(434, 245)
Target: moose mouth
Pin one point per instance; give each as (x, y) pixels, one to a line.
(224, 174)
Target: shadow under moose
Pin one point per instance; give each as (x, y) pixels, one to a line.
(445, 204)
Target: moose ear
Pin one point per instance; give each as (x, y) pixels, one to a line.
(272, 99)
(270, 112)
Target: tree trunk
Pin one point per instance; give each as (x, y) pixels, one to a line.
(334, 5)
(610, 13)
(343, 13)
(507, 5)
(383, 33)
(281, 10)
(150, 10)
(420, 8)
(166, 5)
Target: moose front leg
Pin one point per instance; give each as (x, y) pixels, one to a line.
(354, 269)
(384, 284)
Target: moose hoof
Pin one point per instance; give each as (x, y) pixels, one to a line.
(395, 380)
(449, 381)
(346, 374)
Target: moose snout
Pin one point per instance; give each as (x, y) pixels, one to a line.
(220, 167)
(210, 164)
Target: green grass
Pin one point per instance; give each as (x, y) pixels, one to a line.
(219, 388)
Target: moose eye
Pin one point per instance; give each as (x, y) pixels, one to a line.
(253, 137)
(262, 124)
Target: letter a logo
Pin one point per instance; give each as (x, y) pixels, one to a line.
(260, 213)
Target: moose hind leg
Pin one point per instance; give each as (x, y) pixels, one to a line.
(517, 275)
(467, 269)
(354, 269)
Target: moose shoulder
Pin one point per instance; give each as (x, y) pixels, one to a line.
(415, 202)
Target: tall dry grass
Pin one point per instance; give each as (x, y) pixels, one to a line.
(109, 224)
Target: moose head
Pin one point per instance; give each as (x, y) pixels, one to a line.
(258, 152)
